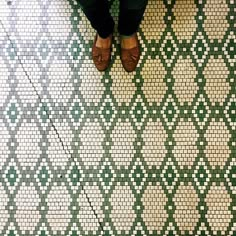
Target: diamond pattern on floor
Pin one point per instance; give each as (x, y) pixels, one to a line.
(150, 152)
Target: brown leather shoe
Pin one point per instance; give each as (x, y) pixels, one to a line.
(130, 57)
(101, 56)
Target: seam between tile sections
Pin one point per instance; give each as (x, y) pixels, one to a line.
(65, 148)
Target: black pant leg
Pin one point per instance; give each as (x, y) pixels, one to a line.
(130, 16)
(97, 12)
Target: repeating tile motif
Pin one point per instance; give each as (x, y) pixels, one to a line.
(150, 152)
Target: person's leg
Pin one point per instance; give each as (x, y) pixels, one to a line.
(97, 12)
(130, 16)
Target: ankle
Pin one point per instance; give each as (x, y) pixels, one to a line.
(128, 41)
(104, 42)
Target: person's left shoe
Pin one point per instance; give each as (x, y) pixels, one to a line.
(130, 56)
(101, 56)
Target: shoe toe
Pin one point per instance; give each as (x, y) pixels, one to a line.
(130, 58)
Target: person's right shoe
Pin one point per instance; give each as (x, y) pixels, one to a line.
(101, 56)
(130, 57)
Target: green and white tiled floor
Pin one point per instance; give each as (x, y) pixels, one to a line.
(151, 152)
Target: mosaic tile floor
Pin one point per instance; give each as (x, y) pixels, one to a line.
(151, 152)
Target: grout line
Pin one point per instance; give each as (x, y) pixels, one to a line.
(54, 127)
